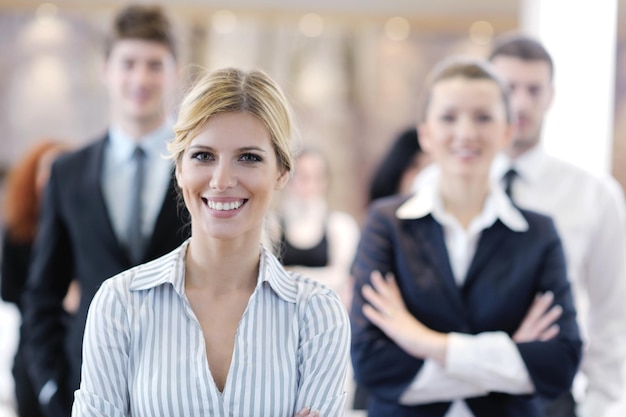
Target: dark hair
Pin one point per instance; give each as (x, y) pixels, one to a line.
(399, 157)
(522, 47)
(148, 23)
(464, 67)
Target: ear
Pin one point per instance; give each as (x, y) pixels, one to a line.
(177, 174)
(550, 97)
(281, 181)
(509, 134)
(424, 137)
(104, 71)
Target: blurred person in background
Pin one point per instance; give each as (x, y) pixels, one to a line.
(107, 206)
(462, 305)
(589, 214)
(395, 174)
(315, 240)
(22, 205)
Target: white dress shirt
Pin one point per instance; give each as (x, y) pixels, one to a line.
(144, 353)
(475, 364)
(590, 217)
(118, 173)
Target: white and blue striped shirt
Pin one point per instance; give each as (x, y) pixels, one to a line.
(144, 352)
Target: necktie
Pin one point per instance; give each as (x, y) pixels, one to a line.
(509, 177)
(135, 237)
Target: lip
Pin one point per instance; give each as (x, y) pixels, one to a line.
(466, 154)
(521, 121)
(215, 205)
(140, 98)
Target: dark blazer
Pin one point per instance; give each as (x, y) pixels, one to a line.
(76, 240)
(15, 264)
(15, 261)
(508, 270)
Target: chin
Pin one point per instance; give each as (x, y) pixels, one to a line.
(221, 232)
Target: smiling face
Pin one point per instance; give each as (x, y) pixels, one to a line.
(465, 126)
(227, 175)
(140, 77)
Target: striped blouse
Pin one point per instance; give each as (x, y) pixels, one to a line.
(144, 352)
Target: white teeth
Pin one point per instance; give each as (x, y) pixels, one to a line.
(218, 205)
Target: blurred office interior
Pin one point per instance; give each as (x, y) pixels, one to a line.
(352, 69)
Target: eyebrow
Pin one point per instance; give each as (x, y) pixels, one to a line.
(242, 149)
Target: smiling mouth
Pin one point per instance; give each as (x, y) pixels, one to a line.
(224, 205)
(466, 153)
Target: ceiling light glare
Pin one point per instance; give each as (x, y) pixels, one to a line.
(481, 32)
(311, 25)
(224, 21)
(397, 28)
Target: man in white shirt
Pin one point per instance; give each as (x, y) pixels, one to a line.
(590, 218)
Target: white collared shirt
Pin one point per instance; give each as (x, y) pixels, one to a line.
(589, 214)
(118, 172)
(144, 352)
(475, 364)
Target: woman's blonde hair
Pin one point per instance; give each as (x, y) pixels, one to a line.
(234, 90)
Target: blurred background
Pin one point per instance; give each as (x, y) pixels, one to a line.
(353, 69)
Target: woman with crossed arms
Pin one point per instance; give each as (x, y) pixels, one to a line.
(462, 306)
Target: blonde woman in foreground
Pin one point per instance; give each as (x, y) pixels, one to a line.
(218, 327)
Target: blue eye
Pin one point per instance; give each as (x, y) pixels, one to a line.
(202, 156)
(250, 157)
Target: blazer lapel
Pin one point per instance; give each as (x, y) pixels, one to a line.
(435, 248)
(94, 199)
(170, 227)
(488, 244)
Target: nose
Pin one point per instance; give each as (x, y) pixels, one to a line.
(520, 100)
(466, 129)
(141, 75)
(222, 176)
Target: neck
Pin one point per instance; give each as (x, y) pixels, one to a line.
(138, 128)
(222, 266)
(464, 198)
(519, 148)
(294, 209)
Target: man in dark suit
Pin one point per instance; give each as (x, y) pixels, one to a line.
(91, 226)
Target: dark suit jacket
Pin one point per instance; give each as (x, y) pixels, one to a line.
(15, 262)
(76, 240)
(508, 270)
